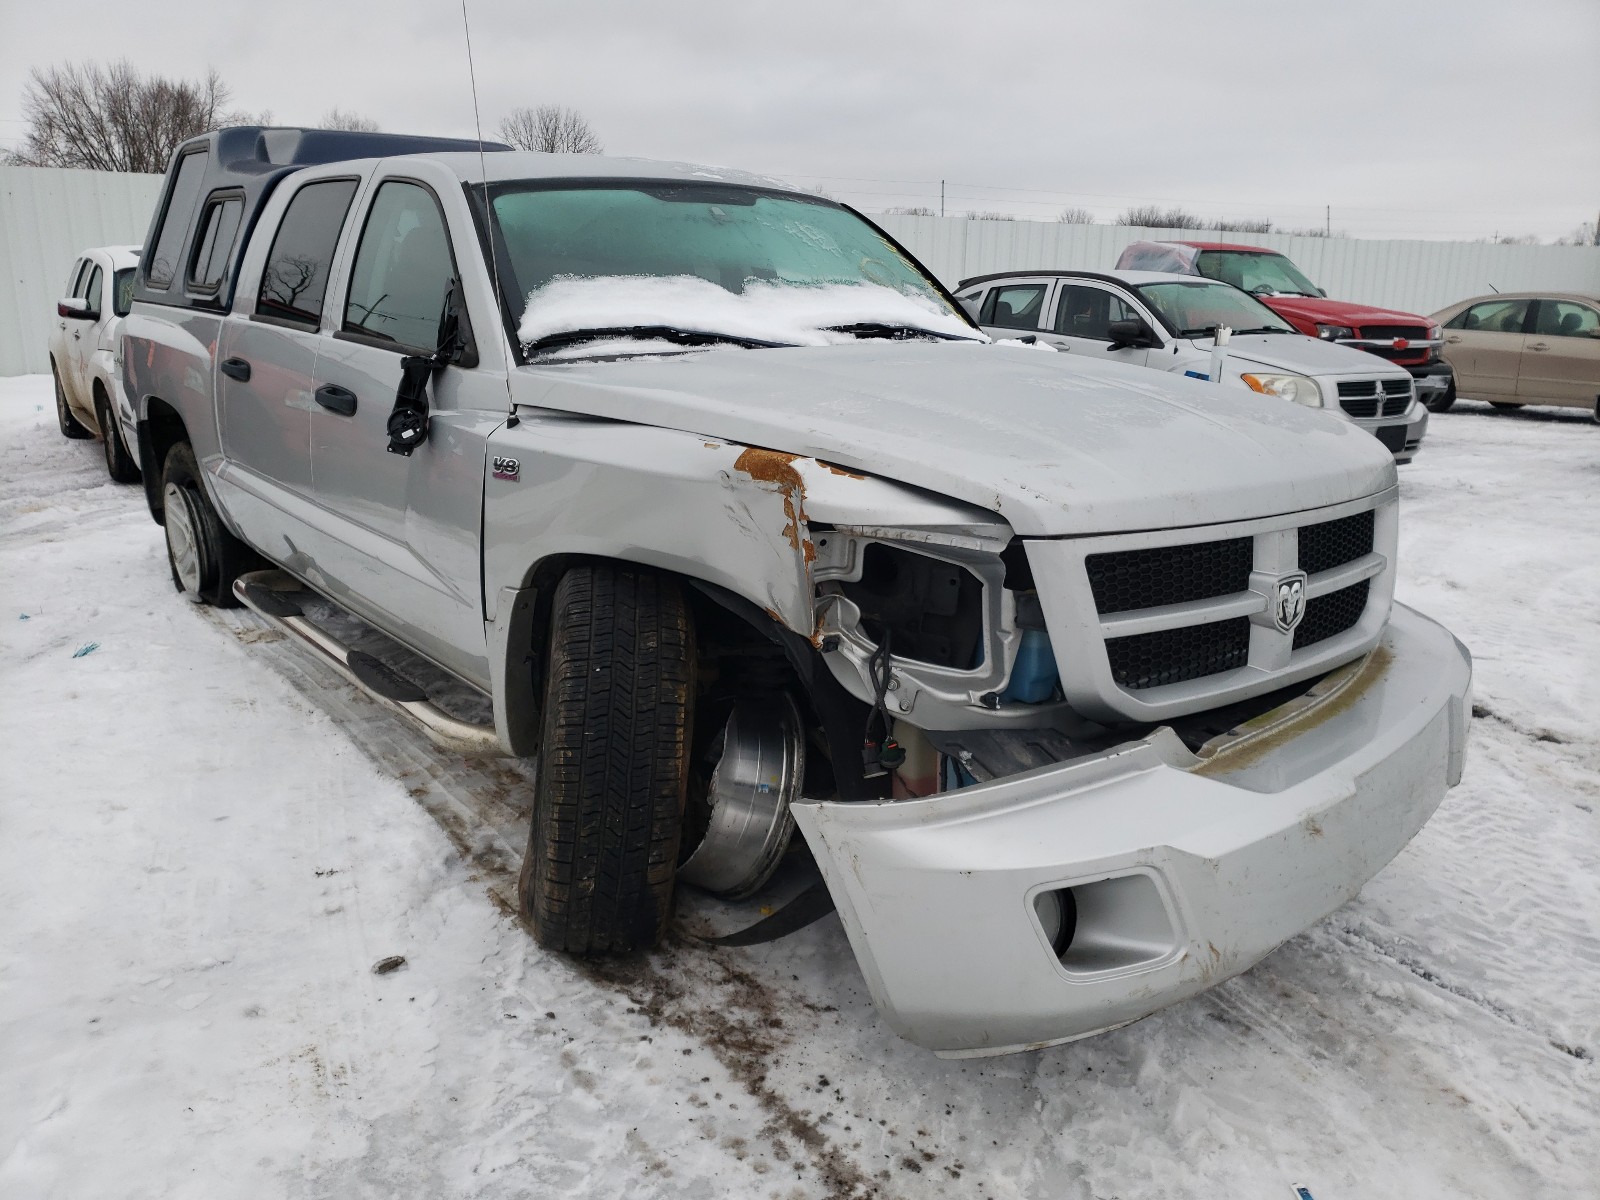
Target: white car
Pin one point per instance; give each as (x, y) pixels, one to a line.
(1168, 321)
(85, 356)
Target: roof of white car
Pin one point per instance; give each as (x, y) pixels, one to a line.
(120, 256)
(1131, 278)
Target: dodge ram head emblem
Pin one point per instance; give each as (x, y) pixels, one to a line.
(1289, 601)
(507, 468)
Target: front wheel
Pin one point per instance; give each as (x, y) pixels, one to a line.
(205, 558)
(613, 761)
(70, 425)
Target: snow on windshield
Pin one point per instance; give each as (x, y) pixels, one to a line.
(767, 312)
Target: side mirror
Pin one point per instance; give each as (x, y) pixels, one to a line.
(1323, 292)
(75, 307)
(1131, 334)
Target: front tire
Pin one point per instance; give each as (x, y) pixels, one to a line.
(613, 762)
(71, 427)
(119, 463)
(205, 558)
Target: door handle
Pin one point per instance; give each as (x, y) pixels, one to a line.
(76, 336)
(1539, 346)
(1453, 339)
(235, 368)
(337, 399)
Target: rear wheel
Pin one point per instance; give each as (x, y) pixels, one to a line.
(205, 558)
(70, 425)
(613, 761)
(119, 463)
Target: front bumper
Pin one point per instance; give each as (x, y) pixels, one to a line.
(1432, 380)
(1184, 872)
(1403, 435)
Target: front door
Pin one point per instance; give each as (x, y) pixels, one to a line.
(404, 549)
(1014, 308)
(1484, 347)
(1561, 357)
(1082, 323)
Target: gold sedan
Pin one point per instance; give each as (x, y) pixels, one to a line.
(1520, 348)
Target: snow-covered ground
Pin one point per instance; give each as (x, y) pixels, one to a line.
(206, 842)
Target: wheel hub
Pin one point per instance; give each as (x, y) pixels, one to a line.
(182, 540)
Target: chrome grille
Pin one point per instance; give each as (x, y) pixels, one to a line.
(1372, 398)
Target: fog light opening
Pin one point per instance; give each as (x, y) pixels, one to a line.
(1058, 915)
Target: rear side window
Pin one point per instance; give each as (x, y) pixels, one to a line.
(93, 292)
(402, 270)
(175, 221)
(296, 277)
(1015, 306)
(219, 225)
(1563, 318)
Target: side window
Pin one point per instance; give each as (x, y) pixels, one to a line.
(1495, 316)
(1016, 306)
(122, 291)
(79, 277)
(296, 276)
(1087, 312)
(402, 270)
(1565, 318)
(219, 225)
(92, 292)
(986, 310)
(163, 262)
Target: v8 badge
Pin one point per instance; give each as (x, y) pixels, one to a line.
(507, 468)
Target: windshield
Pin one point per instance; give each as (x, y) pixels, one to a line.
(1262, 274)
(1196, 307)
(719, 246)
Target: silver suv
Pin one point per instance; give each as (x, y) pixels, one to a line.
(1083, 696)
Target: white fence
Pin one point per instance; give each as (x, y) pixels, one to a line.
(1414, 277)
(48, 216)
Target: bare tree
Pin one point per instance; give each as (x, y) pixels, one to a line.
(973, 215)
(1153, 216)
(909, 210)
(337, 118)
(1242, 225)
(551, 129)
(1075, 216)
(112, 118)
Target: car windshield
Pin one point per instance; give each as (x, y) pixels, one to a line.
(1195, 307)
(634, 259)
(1261, 274)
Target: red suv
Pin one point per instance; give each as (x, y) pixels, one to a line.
(1405, 339)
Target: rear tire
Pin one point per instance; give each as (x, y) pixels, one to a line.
(613, 762)
(205, 558)
(70, 425)
(119, 463)
(1445, 402)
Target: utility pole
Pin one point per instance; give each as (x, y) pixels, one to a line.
(1327, 228)
(941, 197)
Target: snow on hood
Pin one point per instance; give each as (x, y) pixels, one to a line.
(1055, 446)
(799, 315)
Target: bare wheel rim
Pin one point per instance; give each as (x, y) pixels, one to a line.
(182, 542)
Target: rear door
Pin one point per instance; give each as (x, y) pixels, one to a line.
(1561, 357)
(404, 544)
(1081, 322)
(1483, 344)
(266, 364)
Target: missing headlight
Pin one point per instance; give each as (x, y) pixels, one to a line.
(932, 609)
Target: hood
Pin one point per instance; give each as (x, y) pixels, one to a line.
(1303, 355)
(1339, 312)
(1056, 447)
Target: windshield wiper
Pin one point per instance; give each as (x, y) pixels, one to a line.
(1266, 329)
(662, 333)
(883, 329)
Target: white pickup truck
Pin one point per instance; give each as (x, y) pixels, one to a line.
(1085, 690)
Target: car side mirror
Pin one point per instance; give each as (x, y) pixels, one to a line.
(75, 307)
(1323, 292)
(1131, 334)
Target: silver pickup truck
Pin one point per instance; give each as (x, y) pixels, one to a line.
(1084, 686)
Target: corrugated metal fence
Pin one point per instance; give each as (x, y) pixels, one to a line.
(48, 216)
(1416, 277)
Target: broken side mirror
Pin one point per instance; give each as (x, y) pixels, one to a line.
(1131, 334)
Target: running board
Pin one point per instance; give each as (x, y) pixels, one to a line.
(272, 595)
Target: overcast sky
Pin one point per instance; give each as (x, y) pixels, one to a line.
(1434, 120)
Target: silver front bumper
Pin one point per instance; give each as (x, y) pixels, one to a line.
(1184, 872)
